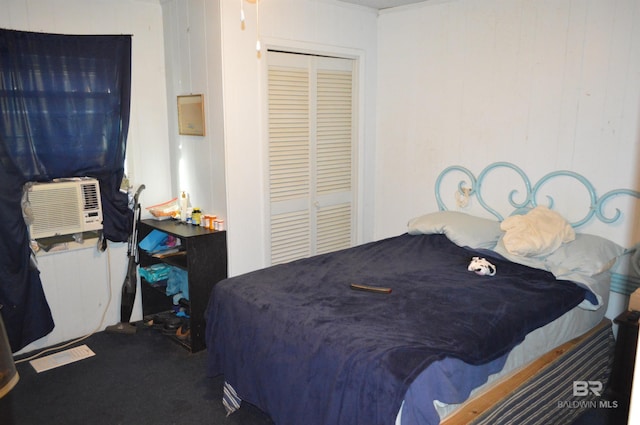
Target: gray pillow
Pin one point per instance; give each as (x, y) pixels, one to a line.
(587, 254)
(461, 228)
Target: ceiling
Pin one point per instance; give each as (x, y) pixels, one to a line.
(382, 4)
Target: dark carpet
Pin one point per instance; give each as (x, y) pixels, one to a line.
(140, 379)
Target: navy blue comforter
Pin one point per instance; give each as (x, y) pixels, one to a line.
(297, 342)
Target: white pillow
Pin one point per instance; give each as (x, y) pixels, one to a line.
(536, 233)
(534, 262)
(461, 228)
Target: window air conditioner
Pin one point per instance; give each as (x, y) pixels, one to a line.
(64, 207)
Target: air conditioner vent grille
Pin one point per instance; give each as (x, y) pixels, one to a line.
(58, 209)
(90, 196)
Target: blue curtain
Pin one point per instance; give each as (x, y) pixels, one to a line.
(64, 103)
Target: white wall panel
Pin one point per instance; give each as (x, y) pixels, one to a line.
(82, 287)
(192, 48)
(544, 84)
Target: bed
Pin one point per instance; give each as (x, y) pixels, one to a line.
(435, 333)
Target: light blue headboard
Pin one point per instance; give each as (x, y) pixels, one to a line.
(471, 186)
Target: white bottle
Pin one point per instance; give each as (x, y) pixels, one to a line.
(184, 203)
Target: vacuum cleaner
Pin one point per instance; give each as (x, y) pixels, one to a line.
(131, 279)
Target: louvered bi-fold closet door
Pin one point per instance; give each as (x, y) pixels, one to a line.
(311, 155)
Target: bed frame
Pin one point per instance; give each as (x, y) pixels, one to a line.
(534, 391)
(543, 391)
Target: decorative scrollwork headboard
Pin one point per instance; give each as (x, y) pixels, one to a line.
(474, 187)
(471, 187)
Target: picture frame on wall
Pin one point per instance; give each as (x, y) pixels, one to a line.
(191, 115)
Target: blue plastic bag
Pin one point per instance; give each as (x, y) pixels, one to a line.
(178, 283)
(154, 241)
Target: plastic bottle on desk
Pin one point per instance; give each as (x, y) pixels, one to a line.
(184, 203)
(196, 216)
